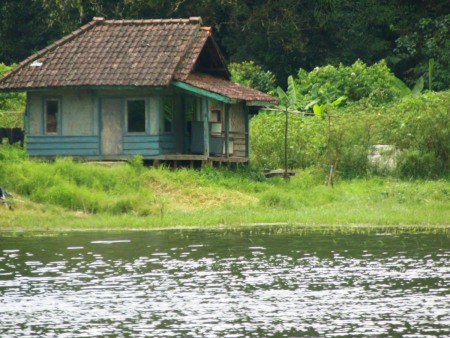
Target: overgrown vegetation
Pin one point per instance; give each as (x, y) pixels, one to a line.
(69, 195)
(342, 112)
(252, 75)
(12, 104)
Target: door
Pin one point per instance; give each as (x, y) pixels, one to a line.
(111, 134)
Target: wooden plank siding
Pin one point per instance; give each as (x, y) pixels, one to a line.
(63, 145)
(145, 145)
(167, 144)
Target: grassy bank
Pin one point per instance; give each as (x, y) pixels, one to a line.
(66, 195)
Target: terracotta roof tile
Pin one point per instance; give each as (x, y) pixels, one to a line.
(227, 88)
(187, 63)
(109, 49)
(128, 53)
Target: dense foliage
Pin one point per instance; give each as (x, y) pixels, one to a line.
(375, 84)
(12, 104)
(282, 36)
(252, 75)
(351, 109)
(429, 41)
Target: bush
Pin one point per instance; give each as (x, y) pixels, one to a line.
(413, 163)
(375, 84)
(252, 75)
(12, 104)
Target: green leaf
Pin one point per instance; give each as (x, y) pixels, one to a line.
(284, 100)
(312, 103)
(292, 92)
(318, 110)
(339, 100)
(401, 86)
(418, 87)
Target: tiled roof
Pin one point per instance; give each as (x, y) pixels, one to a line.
(227, 88)
(109, 53)
(187, 63)
(128, 53)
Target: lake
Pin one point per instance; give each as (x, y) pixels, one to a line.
(239, 282)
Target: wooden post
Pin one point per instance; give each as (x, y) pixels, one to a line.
(227, 129)
(286, 128)
(205, 115)
(247, 133)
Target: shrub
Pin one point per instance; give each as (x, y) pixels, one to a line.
(252, 75)
(413, 163)
(416, 125)
(375, 84)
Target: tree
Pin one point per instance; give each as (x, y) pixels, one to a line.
(281, 36)
(375, 85)
(429, 41)
(22, 31)
(252, 75)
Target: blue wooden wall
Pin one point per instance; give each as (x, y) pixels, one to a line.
(63, 145)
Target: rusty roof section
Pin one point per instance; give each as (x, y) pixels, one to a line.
(227, 88)
(109, 53)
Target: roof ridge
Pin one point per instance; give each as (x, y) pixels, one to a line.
(53, 46)
(192, 19)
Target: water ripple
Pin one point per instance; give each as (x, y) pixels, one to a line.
(210, 285)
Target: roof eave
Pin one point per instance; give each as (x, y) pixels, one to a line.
(204, 92)
(51, 47)
(92, 87)
(259, 103)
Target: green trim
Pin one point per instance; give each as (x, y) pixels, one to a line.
(204, 92)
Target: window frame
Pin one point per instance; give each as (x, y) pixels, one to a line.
(57, 116)
(127, 130)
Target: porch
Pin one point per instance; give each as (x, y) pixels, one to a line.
(193, 160)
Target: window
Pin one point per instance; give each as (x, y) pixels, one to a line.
(51, 116)
(136, 116)
(167, 114)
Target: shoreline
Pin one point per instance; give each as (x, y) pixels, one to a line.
(299, 228)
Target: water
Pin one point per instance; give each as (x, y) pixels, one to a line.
(226, 283)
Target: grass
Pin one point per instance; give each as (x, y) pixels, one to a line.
(66, 195)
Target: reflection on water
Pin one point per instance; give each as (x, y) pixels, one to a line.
(233, 283)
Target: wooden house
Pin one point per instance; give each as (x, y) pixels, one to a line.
(117, 88)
